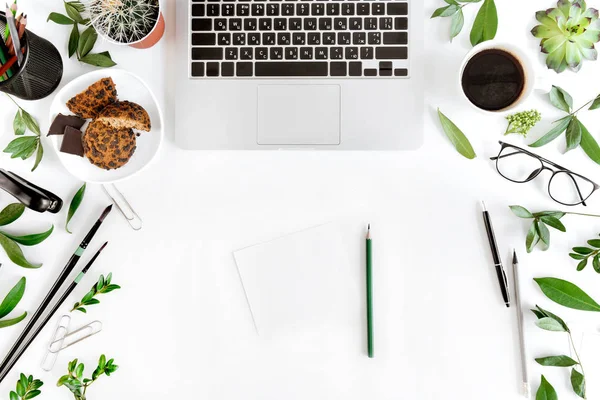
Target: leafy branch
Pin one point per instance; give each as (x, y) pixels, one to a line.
(10, 243)
(78, 385)
(25, 146)
(584, 254)
(27, 388)
(10, 302)
(551, 322)
(538, 231)
(485, 25)
(81, 44)
(575, 132)
(102, 286)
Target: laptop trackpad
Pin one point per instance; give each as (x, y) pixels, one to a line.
(298, 114)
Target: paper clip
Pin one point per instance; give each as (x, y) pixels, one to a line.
(75, 337)
(134, 220)
(62, 328)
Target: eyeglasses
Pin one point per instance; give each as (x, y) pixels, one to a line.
(520, 166)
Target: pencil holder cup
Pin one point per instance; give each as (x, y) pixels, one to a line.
(41, 71)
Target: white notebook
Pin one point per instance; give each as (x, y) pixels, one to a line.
(302, 289)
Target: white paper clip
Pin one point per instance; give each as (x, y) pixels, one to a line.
(119, 200)
(76, 336)
(62, 328)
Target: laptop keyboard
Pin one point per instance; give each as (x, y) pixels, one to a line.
(299, 38)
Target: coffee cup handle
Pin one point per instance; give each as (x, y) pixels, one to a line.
(542, 84)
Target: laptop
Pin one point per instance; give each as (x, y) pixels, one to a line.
(299, 74)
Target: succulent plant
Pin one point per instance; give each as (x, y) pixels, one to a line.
(125, 21)
(568, 34)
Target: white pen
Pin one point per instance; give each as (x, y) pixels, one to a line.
(526, 391)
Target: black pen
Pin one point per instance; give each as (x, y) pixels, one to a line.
(496, 256)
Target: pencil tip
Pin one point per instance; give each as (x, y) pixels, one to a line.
(369, 227)
(105, 212)
(103, 246)
(515, 260)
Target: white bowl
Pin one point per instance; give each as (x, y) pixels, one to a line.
(129, 87)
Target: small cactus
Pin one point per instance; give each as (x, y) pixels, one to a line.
(125, 21)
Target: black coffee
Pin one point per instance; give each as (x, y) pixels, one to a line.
(493, 79)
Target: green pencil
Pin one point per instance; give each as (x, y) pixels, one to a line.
(369, 294)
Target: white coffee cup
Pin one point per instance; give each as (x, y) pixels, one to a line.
(531, 80)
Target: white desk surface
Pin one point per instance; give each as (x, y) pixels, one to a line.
(180, 327)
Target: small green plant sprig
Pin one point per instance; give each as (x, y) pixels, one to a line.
(9, 303)
(575, 132)
(103, 285)
(10, 243)
(584, 254)
(485, 25)
(522, 122)
(538, 231)
(81, 44)
(27, 388)
(78, 385)
(24, 147)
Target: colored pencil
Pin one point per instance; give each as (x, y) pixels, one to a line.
(14, 33)
(11, 61)
(15, 352)
(369, 294)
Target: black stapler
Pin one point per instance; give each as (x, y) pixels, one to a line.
(32, 196)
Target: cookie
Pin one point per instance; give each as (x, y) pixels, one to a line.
(108, 147)
(91, 101)
(125, 114)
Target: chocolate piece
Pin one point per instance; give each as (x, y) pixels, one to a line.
(72, 142)
(62, 121)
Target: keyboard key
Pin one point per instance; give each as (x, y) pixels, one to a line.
(243, 69)
(261, 53)
(333, 9)
(220, 24)
(207, 53)
(212, 10)
(283, 39)
(347, 8)
(359, 38)
(363, 8)
(318, 8)
(351, 53)
(243, 10)
(338, 68)
(276, 53)
(227, 69)
(400, 23)
(287, 10)
(302, 9)
(246, 53)
(295, 24)
(328, 38)
(340, 24)
(265, 24)
(258, 9)
(370, 72)
(336, 53)
(199, 25)
(314, 38)
(253, 39)
(280, 24)
(299, 38)
(306, 53)
(291, 68)
(385, 68)
(395, 38)
(250, 24)
(273, 9)
(400, 72)
(385, 23)
(355, 68)
(212, 69)
(224, 39)
(394, 8)
(343, 38)
(227, 10)
(378, 8)
(325, 24)
(202, 39)
(366, 53)
(199, 10)
(269, 39)
(235, 24)
(374, 37)
(239, 39)
(231, 53)
(291, 53)
(197, 69)
(370, 24)
(321, 53)
(355, 24)
(310, 24)
(391, 53)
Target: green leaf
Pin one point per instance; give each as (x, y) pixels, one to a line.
(110, 288)
(72, 365)
(596, 263)
(109, 278)
(11, 213)
(14, 252)
(73, 40)
(458, 139)
(88, 296)
(577, 256)
(556, 361)
(594, 243)
(83, 310)
(578, 383)
(546, 313)
(100, 282)
(99, 60)
(445, 11)
(538, 314)
(102, 361)
(92, 302)
(589, 144)
(582, 264)
(73, 12)
(75, 203)
(555, 214)
(14, 396)
(458, 21)
(567, 294)
(23, 380)
(30, 122)
(87, 41)
(20, 388)
(561, 99)
(30, 240)
(583, 250)
(553, 222)
(595, 104)
(555, 132)
(22, 147)
(12, 298)
(573, 134)
(39, 156)
(5, 323)
(18, 124)
(521, 212)
(79, 371)
(486, 23)
(546, 391)
(60, 19)
(532, 238)
(549, 324)
(543, 231)
(32, 394)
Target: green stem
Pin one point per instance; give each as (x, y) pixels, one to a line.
(579, 109)
(11, 99)
(583, 214)
(576, 356)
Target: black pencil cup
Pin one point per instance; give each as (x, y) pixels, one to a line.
(41, 71)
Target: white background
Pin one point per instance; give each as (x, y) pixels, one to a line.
(180, 327)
